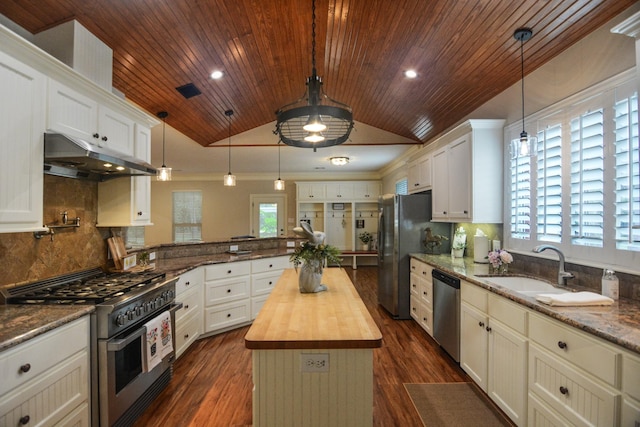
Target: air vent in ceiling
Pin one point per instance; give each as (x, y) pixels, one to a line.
(189, 90)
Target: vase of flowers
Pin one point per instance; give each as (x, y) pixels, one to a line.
(313, 259)
(366, 238)
(499, 261)
(459, 243)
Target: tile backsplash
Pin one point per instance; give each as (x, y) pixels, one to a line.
(25, 258)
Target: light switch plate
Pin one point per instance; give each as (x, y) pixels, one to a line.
(291, 244)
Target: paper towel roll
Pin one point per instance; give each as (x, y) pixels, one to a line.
(480, 249)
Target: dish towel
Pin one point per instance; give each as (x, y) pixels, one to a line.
(158, 340)
(569, 299)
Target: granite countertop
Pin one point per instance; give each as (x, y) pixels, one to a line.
(618, 323)
(19, 323)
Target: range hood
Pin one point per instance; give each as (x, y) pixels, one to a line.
(73, 157)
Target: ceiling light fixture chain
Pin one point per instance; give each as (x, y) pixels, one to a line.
(229, 179)
(525, 145)
(315, 120)
(163, 173)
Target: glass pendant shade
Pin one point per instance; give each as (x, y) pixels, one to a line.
(229, 180)
(163, 173)
(278, 185)
(524, 146)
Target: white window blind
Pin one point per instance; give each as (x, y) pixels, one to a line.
(549, 184)
(627, 181)
(187, 216)
(521, 198)
(402, 187)
(587, 179)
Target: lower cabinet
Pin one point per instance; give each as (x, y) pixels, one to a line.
(189, 291)
(265, 273)
(46, 379)
(421, 298)
(226, 295)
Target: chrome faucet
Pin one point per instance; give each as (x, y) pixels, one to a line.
(562, 274)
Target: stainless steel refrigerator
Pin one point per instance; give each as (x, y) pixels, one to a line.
(403, 220)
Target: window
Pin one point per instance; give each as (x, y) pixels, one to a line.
(187, 216)
(582, 189)
(402, 186)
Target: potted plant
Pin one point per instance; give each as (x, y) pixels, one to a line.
(459, 243)
(365, 237)
(313, 259)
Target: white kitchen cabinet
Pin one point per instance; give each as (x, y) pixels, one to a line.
(366, 191)
(126, 202)
(76, 114)
(421, 298)
(312, 191)
(467, 173)
(631, 389)
(493, 348)
(339, 191)
(419, 176)
(265, 273)
(227, 295)
(189, 324)
(22, 125)
(46, 380)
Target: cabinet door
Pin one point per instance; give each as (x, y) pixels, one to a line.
(339, 191)
(440, 192)
(366, 191)
(141, 185)
(72, 113)
(459, 175)
(22, 146)
(116, 131)
(424, 169)
(311, 191)
(507, 385)
(474, 344)
(413, 177)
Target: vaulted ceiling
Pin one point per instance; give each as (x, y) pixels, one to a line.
(463, 50)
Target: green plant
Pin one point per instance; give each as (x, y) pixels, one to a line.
(365, 237)
(308, 252)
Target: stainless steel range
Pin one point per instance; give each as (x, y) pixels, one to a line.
(123, 381)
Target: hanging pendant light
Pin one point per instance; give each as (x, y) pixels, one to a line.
(278, 184)
(315, 120)
(229, 179)
(163, 173)
(525, 145)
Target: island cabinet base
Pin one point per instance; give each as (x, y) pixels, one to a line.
(284, 395)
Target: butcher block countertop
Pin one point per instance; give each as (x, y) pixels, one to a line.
(334, 319)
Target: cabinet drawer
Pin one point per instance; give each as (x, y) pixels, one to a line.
(593, 356)
(228, 269)
(510, 314)
(421, 269)
(541, 415)
(415, 308)
(49, 398)
(263, 283)
(190, 280)
(414, 280)
(191, 302)
(226, 315)
(630, 413)
(426, 320)
(41, 353)
(474, 295)
(187, 331)
(269, 264)
(631, 376)
(426, 293)
(221, 291)
(256, 305)
(574, 395)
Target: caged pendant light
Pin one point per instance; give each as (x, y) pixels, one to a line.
(525, 145)
(278, 184)
(315, 120)
(163, 173)
(229, 179)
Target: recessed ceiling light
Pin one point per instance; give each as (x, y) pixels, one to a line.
(411, 74)
(217, 75)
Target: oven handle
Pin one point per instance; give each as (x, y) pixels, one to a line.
(117, 345)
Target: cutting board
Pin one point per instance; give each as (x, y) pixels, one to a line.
(118, 251)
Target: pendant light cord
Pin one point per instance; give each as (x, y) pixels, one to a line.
(229, 113)
(278, 160)
(164, 123)
(522, 77)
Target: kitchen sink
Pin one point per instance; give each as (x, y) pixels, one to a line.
(524, 285)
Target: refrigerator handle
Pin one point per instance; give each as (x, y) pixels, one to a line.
(381, 241)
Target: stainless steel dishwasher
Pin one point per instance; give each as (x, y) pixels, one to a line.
(446, 312)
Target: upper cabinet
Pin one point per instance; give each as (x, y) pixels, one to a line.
(22, 122)
(339, 190)
(467, 173)
(419, 177)
(310, 191)
(366, 191)
(72, 113)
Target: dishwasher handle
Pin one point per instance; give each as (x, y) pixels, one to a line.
(445, 278)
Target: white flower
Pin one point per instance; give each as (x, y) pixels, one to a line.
(506, 257)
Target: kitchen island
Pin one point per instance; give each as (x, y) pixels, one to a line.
(313, 355)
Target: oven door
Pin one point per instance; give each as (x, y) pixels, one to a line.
(122, 377)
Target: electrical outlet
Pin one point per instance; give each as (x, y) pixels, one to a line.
(314, 362)
(233, 248)
(152, 256)
(291, 244)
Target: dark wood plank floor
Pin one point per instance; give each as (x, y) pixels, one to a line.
(212, 380)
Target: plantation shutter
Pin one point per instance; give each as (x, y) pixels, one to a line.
(521, 198)
(549, 184)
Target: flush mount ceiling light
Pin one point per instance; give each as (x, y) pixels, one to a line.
(411, 74)
(339, 161)
(315, 120)
(278, 184)
(163, 173)
(525, 145)
(229, 179)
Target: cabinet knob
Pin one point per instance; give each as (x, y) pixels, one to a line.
(564, 390)
(104, 138)
(413, 285)
(228, 271)
(444, 213)
(186, 336)
(95, 135)
(270, 265)
(25, 368)
(562, 345)
(413, 308)
(228, 314)
(25, 420)
(187, 283)
(270, 283)
(186, 307)
(139, 213)
(228, 291)
(488, 328)
(481, 324)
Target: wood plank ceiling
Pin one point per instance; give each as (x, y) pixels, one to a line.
(464, 52)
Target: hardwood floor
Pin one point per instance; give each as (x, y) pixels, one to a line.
(212, 380)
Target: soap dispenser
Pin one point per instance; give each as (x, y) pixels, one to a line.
(610, 284)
